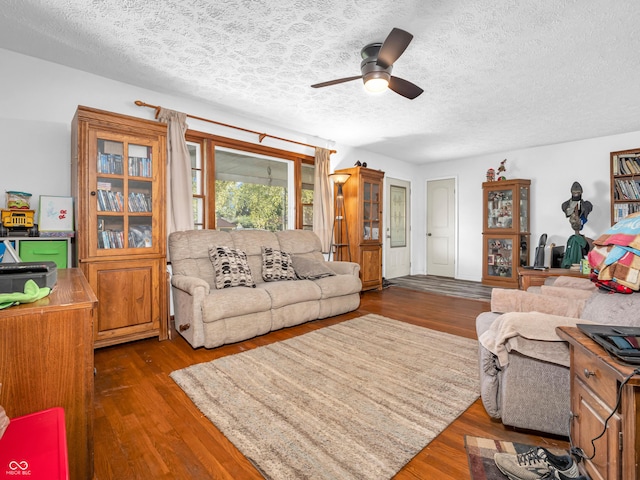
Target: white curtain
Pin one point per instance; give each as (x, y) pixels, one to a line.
(322, 198)
(179, 193)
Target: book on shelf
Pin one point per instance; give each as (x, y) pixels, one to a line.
(626, 189)
(110, 239)
(110, 163)
(109, 201)
(139, 202)
(628, 164)
(621, 210)
(139, 167)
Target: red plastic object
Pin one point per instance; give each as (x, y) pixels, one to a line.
(35, 447)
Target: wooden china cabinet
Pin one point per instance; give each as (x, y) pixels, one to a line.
(363, 212)
(505, 231)
(118, 184)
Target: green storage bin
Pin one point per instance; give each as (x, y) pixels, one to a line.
(44, 250)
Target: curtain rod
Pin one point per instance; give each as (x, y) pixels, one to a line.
(261, 136)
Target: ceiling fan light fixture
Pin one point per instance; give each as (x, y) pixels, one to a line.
(376, 85)
(376, 82)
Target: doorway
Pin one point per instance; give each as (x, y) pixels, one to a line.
(397, 244)
(441, 227)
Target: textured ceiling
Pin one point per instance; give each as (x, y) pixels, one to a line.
(497, 74)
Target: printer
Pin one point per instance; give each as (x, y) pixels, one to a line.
(13, 276)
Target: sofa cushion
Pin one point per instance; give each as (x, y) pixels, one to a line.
(276, 265)
(231, 267)
(190, 252)
(288, 293)
(338, 285)
(234, 302)
(307, 268)
(299, 241)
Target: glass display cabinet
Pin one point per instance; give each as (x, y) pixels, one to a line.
(506, 231)
(363, 227)
(118, 184)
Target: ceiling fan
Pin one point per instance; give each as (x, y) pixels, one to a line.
(377, 63)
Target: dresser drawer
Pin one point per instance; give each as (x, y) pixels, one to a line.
(595, 375)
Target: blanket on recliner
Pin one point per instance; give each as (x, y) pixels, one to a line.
(531, 333)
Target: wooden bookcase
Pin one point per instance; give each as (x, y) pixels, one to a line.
(625, 184)
(118, 183)
(505, 231)
(363, 212)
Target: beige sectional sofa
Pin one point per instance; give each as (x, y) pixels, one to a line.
(209, 316)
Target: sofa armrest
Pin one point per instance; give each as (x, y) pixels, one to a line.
(189, 284)
(344, 268)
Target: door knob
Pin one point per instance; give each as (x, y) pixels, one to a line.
(428, 234)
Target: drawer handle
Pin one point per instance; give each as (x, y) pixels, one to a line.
(588, 373)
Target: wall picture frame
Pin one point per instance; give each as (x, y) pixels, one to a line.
(55, 214)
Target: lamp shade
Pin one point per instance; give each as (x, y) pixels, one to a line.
(339, 178)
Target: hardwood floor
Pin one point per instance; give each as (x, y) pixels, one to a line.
(147, 428)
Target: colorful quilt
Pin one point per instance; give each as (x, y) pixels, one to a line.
(616, 254)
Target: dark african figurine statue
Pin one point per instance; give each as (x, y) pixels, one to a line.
(576, 209)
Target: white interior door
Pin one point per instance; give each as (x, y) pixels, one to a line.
(441, 229)
(397, 247)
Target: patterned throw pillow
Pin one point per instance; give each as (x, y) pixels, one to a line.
(276, 265)
(231, 267)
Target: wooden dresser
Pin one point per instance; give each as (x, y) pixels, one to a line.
(46, 360)
(596, 381)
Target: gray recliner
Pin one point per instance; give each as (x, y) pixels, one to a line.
(533, 393)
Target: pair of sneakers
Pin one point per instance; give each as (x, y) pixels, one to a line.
(538, 464)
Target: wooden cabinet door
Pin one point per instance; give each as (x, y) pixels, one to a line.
(590, 412)
(131, 299)
(370, 266)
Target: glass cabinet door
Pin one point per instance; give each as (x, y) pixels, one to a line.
(524, 209)
(123, 192)
(371, 209)
(500, 257)
(500, 208)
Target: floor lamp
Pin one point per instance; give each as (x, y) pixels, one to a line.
(339, 237)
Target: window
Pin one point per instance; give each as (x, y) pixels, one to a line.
(308, 179)
(238, 184)
(253, 191)
(197, 184)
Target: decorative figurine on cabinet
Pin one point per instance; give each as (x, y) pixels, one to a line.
(491, 175)
(502, 168)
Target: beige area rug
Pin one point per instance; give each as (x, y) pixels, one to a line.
(356, 400)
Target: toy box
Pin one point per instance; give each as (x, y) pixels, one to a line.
(35, 447)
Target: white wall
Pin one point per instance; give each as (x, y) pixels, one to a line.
(552, 170)
(39, 99)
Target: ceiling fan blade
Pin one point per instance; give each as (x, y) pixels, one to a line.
(404, 87)
(394, 45)
(335, 82)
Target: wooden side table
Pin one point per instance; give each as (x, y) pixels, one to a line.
(528, 277)
(46, 361)
(595, 381)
